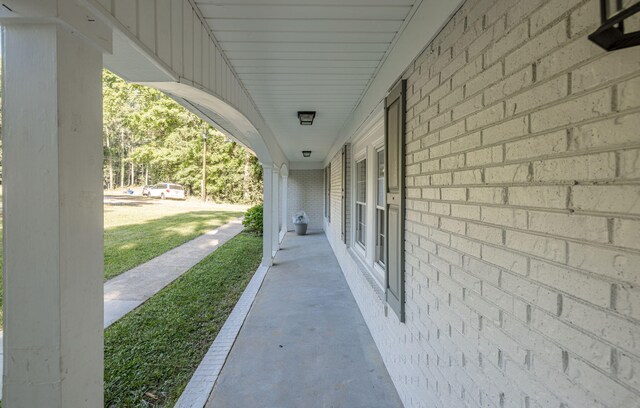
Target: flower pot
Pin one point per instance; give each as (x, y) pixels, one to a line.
(301, 229)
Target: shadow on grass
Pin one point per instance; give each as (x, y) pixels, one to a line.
(127, 246)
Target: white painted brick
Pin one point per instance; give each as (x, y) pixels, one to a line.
(537, 47)
(485, 117)
(486, 77)
(629, 93)
(507, 130)
(539, 196)
(465, 211)
(467, 177)
(611, 198)
(455, 130)
(551, 143)
(452, 162)
(570, 225)
(466, 142)
(608, 132)
(484, 233)
(491, 195)
(573, 111)
(540, 95)
(509, 85)
(577, 284)
(516, 36)
(466, 245)
(612, 263)
(451, 225)
(571, 339)
(534, 293)
(628, 301)
(630, 163)
(567, 56)
(629, 370)
(605, 69)
(592, 167)
(580, 295)
(544, 247)
(505, 259)
(509, 217)
(513, 173)
(605, 325)
(542, 17)
(626, 233)
(467, 107)
(585, 18)
(599, 386)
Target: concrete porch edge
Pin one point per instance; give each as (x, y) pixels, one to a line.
(196, 393)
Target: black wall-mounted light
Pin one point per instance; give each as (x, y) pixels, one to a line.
(306, 153)
(306, 117)
(610, 35)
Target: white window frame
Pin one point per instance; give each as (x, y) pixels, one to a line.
(366, 146)
(364, 204)
(379, 207)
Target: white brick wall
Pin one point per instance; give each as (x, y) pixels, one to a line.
(305, 192)
(523, 217)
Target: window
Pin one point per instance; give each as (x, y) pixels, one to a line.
(361, 202)
(380, 210)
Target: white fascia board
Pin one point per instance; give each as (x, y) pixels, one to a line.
(427, 21)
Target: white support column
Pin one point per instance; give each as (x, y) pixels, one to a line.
(267, 215)
(53, 221)
(284, 206)
(275, 212)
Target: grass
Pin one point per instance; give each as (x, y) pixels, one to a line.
(151, 353)
(127, 245)
(136, 234)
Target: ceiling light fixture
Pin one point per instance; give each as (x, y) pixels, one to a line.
(306, 117)
(306, 153)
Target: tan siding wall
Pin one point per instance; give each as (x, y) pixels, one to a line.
(523, 222)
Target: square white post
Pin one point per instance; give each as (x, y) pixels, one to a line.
(267, 215)
(284, 206)
(53, 225)
(275, 212)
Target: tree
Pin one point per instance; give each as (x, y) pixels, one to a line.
(162, 142)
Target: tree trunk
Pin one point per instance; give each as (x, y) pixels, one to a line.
(246, 195)
(110, 161)
(122, 164)
(146, 174)
(133, 174)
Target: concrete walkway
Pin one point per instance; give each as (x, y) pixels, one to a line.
(129, 290)
(304, 342)
(125, 292)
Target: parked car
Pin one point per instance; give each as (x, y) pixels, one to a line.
(167, 190)
(146, 190)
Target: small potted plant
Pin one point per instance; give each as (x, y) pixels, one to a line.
(300, 222)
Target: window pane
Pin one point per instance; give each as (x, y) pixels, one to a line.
(361, 180)
(380, 236)
(380, 186)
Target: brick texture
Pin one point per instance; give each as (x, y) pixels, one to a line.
(523, 222)
(305, 193)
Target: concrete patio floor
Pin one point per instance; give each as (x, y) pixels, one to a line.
(304, 342)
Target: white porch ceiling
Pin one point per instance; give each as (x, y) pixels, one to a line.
(297, 55)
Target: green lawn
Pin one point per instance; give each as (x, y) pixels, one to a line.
(136, 234)
(128, 245)
(151, 353)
